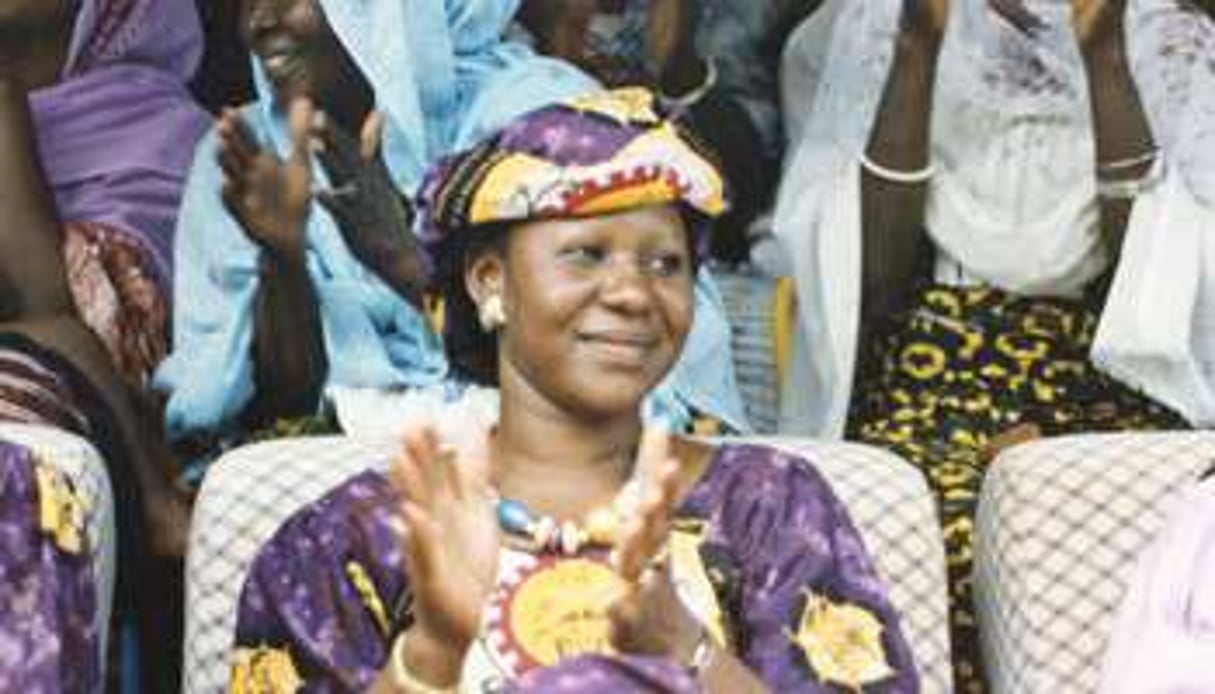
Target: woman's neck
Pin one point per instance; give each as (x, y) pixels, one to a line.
(558, 462)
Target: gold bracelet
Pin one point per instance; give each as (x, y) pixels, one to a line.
(405, 681)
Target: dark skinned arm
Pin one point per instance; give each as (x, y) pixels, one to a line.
(166, 509)
(270, 198)
(727, 116)
(892, 214)
(288, 352)
(1120, 123)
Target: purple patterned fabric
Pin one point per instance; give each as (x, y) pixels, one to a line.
(774, 530)
(48, 632)
(595, 154)
(595, 674)
(117, 132)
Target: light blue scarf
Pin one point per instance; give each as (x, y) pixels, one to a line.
(445, 79)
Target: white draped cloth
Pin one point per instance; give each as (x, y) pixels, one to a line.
(1013, 203)
(1163, 640)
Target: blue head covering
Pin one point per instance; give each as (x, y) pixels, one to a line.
(444, 79)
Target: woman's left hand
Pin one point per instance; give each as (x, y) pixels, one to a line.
(374, 218)
(1098, 24)
(649, 618)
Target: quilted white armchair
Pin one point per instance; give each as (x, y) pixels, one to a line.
(1060, 525)
(83, 465)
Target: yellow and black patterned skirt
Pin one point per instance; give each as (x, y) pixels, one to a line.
(964, 366)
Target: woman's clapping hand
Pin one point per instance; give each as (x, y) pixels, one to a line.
(649, 618)
(270, 197)
(451, 543)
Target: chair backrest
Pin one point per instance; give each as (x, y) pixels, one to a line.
(250, 491)
(244, 498)
(1060, 524)
(80, 462)
(896, 514)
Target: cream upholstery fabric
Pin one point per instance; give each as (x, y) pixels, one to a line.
(83, 466)
(1060, 524)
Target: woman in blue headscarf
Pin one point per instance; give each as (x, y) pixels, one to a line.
(264, 305)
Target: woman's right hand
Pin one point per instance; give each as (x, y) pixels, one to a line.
(451, 541)
(268, 196)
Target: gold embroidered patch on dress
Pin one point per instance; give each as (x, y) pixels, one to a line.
(691, 578)
(842, 642)
(367, 593)
(627, 105)
(263, 670)
(550, 608)
(563, 611)
(60, 510)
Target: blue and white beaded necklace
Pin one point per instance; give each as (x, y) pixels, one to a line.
(545, 534)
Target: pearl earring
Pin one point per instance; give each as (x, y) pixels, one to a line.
(491, 314)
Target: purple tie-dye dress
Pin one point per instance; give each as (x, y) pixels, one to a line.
(48, 601)
(789, 573)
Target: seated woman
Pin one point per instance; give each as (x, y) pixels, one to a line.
(268, 302)
(1164, 637)
(97, 129)
(562, 550)
(967, 178)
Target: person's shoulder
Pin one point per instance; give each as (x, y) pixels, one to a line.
(763, 460)
(360, 505)
(748, 468)
(765, 502)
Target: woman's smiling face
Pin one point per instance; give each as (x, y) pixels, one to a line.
(597, 308)
(297, 48)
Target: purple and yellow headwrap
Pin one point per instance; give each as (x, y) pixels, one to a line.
(606, 152)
